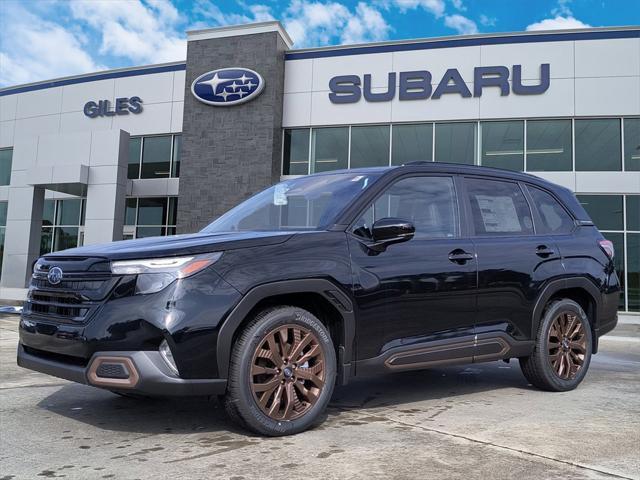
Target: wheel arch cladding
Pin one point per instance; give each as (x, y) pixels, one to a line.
(579, 289)
(321, 297)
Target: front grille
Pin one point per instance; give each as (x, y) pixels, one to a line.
(85, 285)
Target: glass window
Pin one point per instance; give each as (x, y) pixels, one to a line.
(456, 142)
(6, 156)
(173, 211)
(296, 152)
(175, 165)
(134, 157)
(131, 205)
(48, 212)
(321, 197)
(68, 212)
(498, 208)
(2, 233)
(65, 237)
(428, 202)
(144, 232)
(3, 214)
(618, 260)
(604, 210)
(633, 212)
(549, 146)
(555, 218)
(370, 146)
(632, 144)
(46, 242)
(152, 211)
(633, 272)
(503, 145)
(598, 144)
(329, 149)
(156, 157)
(412, 143)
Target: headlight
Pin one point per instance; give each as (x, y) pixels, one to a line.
(157, 273)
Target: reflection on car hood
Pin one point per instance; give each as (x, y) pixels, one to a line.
(189, 244)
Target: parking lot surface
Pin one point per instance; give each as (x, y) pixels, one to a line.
(478, 421)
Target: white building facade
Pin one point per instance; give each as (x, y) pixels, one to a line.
(99, 157)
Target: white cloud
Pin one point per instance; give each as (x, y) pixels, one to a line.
(461, 24)
(458, 5)
(436, 7)
(212, 15)
(33, 49)
(487, 21)
(557, 23)
(145, 32)
(312, 23)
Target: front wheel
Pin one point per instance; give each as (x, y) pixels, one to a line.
(282, 372)
(562, 352)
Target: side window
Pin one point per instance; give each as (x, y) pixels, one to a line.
(428, 202)
(555, 218)
(498, 208)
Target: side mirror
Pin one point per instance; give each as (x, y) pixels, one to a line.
(387, 231)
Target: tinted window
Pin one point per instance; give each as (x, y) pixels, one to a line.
(606, 211)
(156, 157)
(370, 146)
(135, 144)
(456, 142)
(555, 219)
(296, 152)
(329, 149)
(428, 202)
(549, 145)
(498, 208)
(598, 144)
(632, 144)
(6, 156)
(412, 143)
(503, 144)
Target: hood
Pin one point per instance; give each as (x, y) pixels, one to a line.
(176, 245)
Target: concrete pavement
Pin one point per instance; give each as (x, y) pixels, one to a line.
(474, 422)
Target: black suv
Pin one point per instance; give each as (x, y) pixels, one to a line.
(322, 278)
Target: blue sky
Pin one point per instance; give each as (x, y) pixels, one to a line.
(45, 39)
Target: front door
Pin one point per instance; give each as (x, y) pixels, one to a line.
(423, 289)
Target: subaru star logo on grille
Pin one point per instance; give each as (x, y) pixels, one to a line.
(227, 86)
(55, 275)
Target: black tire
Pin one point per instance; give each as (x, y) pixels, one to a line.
(538, 367)
(240, 400)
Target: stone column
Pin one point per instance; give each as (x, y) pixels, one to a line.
(230, 153)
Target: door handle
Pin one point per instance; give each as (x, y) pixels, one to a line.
(459, 256)
(544, 251)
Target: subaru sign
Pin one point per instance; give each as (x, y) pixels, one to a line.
(417, 85)
(227, 86)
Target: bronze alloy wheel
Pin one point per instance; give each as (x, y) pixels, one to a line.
(287, 372)
(567, 345)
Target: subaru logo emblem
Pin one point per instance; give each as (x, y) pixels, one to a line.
(227, 86)
(55, 275)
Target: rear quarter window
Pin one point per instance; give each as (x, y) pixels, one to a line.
(554, 217)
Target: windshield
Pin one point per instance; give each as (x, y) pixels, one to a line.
(305, 203)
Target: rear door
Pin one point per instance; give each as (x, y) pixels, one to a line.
(514, 260)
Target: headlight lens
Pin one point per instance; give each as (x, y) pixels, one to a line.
(157, 273)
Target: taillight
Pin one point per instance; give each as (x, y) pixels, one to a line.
(607, 247)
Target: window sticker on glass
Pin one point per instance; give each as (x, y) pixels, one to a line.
(280, 194)
(499, 214)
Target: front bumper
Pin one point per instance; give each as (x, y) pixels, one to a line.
(143, 372)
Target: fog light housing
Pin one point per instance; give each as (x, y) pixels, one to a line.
(167, 356)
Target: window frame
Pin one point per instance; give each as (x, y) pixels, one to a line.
(374, 196)
(171, 155)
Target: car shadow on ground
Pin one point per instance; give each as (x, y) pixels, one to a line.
(108, 411)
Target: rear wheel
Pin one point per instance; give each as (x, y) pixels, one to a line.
(282, 372)
(562, 353)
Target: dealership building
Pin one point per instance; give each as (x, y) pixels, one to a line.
(164, 149)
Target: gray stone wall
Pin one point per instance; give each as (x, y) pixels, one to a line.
(230, 153)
